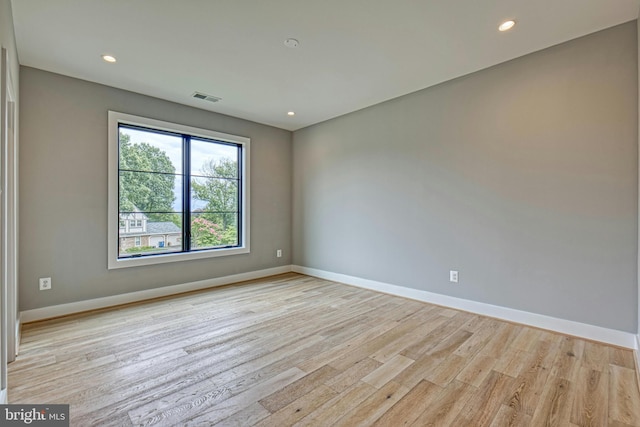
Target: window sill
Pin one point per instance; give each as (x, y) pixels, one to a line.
(169, 258)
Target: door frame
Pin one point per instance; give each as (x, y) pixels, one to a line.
(4, 318)
(10, 218)
(9, 324)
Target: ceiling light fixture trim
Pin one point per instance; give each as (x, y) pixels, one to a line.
(507, 25)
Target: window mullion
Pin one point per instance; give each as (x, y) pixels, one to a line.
(239, 207)
(186, 193)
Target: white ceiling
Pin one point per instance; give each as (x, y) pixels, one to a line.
(352, 53)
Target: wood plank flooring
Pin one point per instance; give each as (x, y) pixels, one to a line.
(295, 350)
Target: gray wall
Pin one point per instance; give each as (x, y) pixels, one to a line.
(524, 177)
(63, 191)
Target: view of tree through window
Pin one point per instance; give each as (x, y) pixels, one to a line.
(176, 193)
(214, 195)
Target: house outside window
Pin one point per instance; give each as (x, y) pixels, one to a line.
(182, 192)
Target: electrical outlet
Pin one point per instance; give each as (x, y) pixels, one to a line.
(279, 253)
(453, 276)
(45, 283)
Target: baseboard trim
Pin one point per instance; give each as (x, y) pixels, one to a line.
(111, 301)
(636, 353)
(18, 333)
(568, 327)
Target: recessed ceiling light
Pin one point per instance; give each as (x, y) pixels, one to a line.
(291, 113)
(292, 43)
(108, 58)
(507, 25)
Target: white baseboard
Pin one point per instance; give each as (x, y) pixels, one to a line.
(110, 301)
(3, 396)
(568, 327)
(18, 333)
(636, 353)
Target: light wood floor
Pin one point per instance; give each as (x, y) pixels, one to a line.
(294, 350)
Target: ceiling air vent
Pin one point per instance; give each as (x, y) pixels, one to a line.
(206, 97)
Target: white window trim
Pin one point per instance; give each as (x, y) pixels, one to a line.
(113, 262)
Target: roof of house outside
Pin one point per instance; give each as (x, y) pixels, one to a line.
(135, 214)
(165, 227)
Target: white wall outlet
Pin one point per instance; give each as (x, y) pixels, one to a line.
(279, 253)
(453, 276)
(45, 283)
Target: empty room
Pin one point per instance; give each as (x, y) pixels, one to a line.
(330, 213)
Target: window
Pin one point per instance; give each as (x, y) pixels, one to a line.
(185, 187)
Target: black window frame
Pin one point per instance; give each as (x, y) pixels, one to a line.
(186, 190)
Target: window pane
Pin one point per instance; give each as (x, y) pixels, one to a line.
(213, 159)
(142, 150)
(141, 235)
(214, 194)
(213, 230)
(150, 192)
